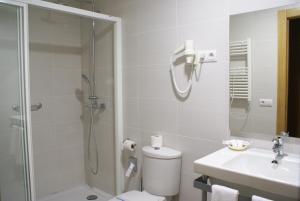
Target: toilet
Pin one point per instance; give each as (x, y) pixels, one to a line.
(161, 176)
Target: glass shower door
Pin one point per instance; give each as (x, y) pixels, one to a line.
(14, 184)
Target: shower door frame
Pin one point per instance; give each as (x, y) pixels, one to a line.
(23, 54)
(23, 47)
(118, 75)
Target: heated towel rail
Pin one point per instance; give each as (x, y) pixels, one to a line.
(240, 69)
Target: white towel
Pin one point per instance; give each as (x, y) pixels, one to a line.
(257, 198)
(222, 193)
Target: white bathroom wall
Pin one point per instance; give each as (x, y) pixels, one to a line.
(196, 126)
(55, 74)
(261, 27)
(104, 119)
(152, 30)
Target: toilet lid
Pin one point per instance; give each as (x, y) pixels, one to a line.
(137, 196)
(162, 153)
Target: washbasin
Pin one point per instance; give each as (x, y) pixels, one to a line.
(260, 164)
(254, 168)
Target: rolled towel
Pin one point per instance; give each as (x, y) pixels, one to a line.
(257, 198)
(222, 193)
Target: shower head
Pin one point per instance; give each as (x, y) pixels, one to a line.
(85, 78)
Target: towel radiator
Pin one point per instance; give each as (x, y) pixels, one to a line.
(240, 69)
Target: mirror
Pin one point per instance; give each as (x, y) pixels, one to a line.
(264, 72)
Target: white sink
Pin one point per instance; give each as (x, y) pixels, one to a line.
(253, 168)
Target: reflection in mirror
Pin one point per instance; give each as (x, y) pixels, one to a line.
(265, 72)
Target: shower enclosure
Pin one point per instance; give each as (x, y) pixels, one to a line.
(61, 116)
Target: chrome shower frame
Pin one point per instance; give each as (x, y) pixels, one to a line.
(118, 91)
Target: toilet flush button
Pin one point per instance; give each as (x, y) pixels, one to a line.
(265, 102)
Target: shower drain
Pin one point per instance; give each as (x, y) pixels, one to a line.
(92, 197)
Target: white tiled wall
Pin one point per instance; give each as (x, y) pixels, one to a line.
(151, 31)
(104, 119)
(55, 74)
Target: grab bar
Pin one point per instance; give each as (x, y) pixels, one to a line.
(34, 107)
(201, 183)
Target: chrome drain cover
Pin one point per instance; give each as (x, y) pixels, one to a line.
(92, 197)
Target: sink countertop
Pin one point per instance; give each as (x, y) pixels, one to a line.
(253, 168)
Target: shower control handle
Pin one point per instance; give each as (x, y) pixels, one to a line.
(34, 107)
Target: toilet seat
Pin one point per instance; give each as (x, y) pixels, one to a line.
(137, 196)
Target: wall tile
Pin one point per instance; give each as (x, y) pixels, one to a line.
(64, 109)
(130, 51)
(156, 83)
(129, 14)
(187, 191)
(158, 115)
(132, 113)
(151, 17)
(194, 11)
(193, 149)
(154, 48)
(131, 82)
(201, 122)
(65, 80)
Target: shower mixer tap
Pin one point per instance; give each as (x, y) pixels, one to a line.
(95, 103)
(94, 100)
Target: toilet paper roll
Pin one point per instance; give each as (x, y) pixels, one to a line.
(129, 145)
(157, 141)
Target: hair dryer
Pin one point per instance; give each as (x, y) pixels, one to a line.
(189, 51)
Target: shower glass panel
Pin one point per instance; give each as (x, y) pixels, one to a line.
(13, 185)
(73, 133)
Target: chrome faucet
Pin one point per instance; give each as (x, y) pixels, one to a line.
(278, 145)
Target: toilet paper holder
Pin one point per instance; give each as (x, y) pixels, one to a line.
(129, 145)
(133, 160)
(132, 166)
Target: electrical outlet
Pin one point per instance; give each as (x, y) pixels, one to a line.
(263, 102)
(208, 56)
